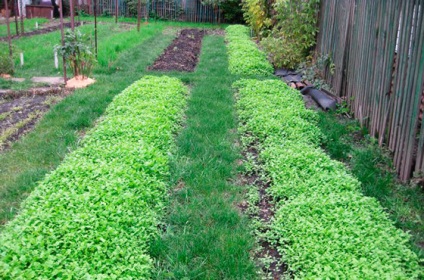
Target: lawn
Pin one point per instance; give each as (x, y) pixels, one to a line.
(29, 25)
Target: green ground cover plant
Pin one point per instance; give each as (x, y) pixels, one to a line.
(323, 226)
(59, 131)
(244, 57)
(95, 215)
(373, 167)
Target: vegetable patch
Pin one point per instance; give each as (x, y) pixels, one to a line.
(244, 57)
(94, 216)
(323, 226)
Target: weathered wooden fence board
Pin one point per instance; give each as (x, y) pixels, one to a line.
(378, 51)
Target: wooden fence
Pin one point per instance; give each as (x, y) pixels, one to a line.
(377, 47)
(176, 10)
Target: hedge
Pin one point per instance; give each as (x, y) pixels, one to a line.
(94, 216)
(323, 226)
(244, 57)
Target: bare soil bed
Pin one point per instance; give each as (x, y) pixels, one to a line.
(20, 111)
(43, 30)
(182, 54)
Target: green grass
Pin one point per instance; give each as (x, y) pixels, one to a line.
(205, 236)
(373, 167)
(29, 25)
(29, 159)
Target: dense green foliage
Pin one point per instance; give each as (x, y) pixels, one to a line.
(94, 216)
(323, 225)
(294, 33)
(255, 14)
(244, 57)
(373, 166)
(289, 28)
(232, 11)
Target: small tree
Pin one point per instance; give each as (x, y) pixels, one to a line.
(77, 51)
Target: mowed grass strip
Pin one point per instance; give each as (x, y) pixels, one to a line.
(206, 237)
(94, 216)
(29, 159)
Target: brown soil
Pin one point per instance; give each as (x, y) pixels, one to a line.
(20, 111)
(265, 206)
(182, 54)
(42, 30)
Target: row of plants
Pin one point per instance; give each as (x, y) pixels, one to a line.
(324, 227)
(95, 215)
(287, 29)
(244, 58)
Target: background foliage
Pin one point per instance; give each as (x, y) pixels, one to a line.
(287, 28)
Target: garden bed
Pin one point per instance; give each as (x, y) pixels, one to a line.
(38, 31)
(20, 111)
(182, 54)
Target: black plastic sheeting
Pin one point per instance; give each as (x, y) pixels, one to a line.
(320, 97)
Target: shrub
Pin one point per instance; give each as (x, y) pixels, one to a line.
(323, 226)
(244, 57)
(255, 14)
(77, 52)
(294, 33)
(232, 11)
(6, 63)
(94, 216)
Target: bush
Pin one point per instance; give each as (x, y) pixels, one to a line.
(294, 33)
(7, 65)
(232, 11)
(77, 53)
(323, 226)
(244, 57)
(255, 14)
(95, 215)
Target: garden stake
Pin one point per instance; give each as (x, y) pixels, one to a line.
(116, 11)
(63, 38)
(71, 5)
(16, 17)
(21, 14)
(56, 61)
(8, 29)
(95, 27)
(138, 15)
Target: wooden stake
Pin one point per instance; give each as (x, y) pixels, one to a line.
(62, 38)
(21, 14)
(95, 27)
(9, 40)
(56, 61)
(138, 15)
(16, 16)
(71, 7)
(116, 10)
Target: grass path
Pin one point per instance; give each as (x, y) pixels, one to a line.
(58, 132)
(206, 237)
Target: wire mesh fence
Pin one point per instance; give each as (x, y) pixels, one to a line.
(176, 10)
